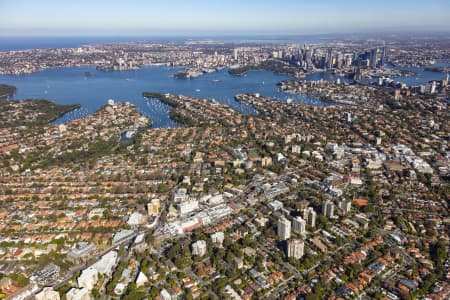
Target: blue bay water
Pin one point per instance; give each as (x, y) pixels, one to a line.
(422, 76)
(70, 85)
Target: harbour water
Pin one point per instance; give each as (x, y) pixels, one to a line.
(423, 76)
(70, 85)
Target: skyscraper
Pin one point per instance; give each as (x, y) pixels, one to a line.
(330, 59)
(348, 60)
(383, 56)
(308, 57)
(433, 87)
(284, 228)
(374, 58)
(295, 248)
(235, 53)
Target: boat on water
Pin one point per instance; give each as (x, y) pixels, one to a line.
(197, 90)
(215, 80)
(207, 70)
(129, 134)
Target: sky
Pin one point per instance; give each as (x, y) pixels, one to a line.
(219, 17)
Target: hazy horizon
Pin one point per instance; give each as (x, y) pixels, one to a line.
(51, 18)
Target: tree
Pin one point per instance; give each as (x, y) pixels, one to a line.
(220, 283)
(19, 279)
(312, 296)
(95, 293)
(162, 188)
(229, 258)
(247, 241)
(189, 296)
(318, 289)
(378, 295)
(174, 251)
(153, 292)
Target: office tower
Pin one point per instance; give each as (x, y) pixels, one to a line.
(358, 74)
(308, 57)
(299, 57)
(339, 60)
(383, 56)
(374, 58)
(330, 59)
(299, 225)
(433, 87)
(295, 248)
(348, 60)
(284, 228)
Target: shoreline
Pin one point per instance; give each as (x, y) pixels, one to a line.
(74, 107)
(6, 91)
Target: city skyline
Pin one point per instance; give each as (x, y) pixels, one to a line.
(178, 18)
